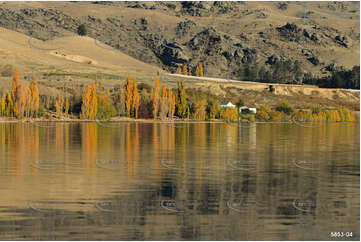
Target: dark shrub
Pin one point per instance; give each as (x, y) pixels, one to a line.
(82, 30)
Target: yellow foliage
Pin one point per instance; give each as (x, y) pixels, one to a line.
(185, 69)
(129, 96)
(66, 106)
(136, 99)
(200, 109)
(263, 115)
(156, 99)
(340, 115)
(229, 114)
(276, 116)
(2, 106)
(89, 102)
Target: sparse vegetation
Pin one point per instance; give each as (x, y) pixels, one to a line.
(7, 70)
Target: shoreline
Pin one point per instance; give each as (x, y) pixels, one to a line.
(130, 120)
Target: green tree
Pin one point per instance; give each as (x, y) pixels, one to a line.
(297, 72)
(82, 30)
(284, 107)
(181, 100)
(213, 108)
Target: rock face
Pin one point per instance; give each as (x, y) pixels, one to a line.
(291, 32)
(221, 35)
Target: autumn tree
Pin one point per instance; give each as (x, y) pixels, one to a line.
(129, 96)
(136, 99)
(156, 99)
(163, 102)
(181, 100)
(89, 102)
(9, 105)
(171, 104)
(120, 100)
(2, 106)
(59, 105)
(33, 98)
(18, 95)
(179, 70)
(66, 112)
(105, 108)
(188, 112)
(201, 72)
(93, 108)
(185, 69)
(229, 114)
(15, 83)
(213, 108)
(199, 69)
(199, 109)
(85, 103)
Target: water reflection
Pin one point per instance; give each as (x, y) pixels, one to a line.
(200, 182)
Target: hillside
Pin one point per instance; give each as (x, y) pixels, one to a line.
(222, 35)
(65, 61)
(75, 53)
(46, 45)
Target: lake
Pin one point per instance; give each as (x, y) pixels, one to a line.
(189, 181)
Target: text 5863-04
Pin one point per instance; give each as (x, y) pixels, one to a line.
(341, 234)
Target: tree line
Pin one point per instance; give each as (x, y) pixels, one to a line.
(20, 101)
(98, 102)
(349, 79)
(185, 69)
(142, 101)
(286, 72)
(289, 72)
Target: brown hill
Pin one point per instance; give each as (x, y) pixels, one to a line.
(223, 35)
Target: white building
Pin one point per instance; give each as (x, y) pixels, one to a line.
(245, 109)
(227, 105)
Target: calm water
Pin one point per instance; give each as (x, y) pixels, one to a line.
(202, 181)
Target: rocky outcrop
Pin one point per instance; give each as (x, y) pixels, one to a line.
(196, 31)
(341, 40)
(291, 32)
(314, 60)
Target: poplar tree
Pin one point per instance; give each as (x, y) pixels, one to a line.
(181, 100)
(136, 99)
(33, 97)
(156, 99)
(93, 105)
(163, 102)
(185, 69)
(9, 109)
(199, 69)
(2, 106)
(199, 109)
(59, 105)
(121, 100)
(129, 96)
(171, 103)
(85, 103)
(17, 95)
